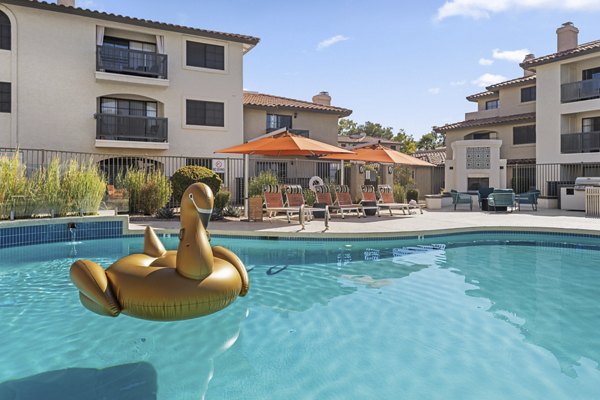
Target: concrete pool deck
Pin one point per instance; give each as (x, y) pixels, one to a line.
(430, 222)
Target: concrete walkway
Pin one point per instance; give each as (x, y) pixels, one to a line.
(430, 222)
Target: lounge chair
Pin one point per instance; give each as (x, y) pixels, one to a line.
(530, 197)
(343, 200)
(323, 194)
(502, 199)
(294, 197)
(369, 199)
(462, 198)
(386, 200)
(483, 194)
(274, 203)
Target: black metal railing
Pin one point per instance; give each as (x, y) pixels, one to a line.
(582, 142)
(548, 178)
(581, 90)
(133, 128)
(131, 62)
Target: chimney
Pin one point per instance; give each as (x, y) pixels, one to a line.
(322, 98)
(66, 3)
(566, 37)
(527, 72)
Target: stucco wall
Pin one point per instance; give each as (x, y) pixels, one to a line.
(508, 150)
(323, 127)
(58, 89)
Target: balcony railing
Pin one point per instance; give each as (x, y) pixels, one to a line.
(131, 62)
(584, 142)
(582, 90)
(132, 128)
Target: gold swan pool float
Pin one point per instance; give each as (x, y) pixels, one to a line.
(162, 285)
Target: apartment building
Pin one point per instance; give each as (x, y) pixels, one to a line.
(78, 80)
(549, 118)
(317, 119)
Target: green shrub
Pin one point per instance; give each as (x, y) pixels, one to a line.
(232, 211)
(14, 182)
(165, 213)
(148, 191)
(412, 194)
(83, 187)
(399, 193)
(309, 197)
(255, 186)
(185, 176)
(221, 201)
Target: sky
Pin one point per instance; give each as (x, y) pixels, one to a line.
(402, 63)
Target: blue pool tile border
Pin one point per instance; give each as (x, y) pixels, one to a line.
(59, 232)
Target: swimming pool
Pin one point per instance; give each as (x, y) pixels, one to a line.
(485, 316)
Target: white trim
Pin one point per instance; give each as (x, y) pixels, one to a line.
(225, 46)
(219, 129)
(126, 144)
(136, 80)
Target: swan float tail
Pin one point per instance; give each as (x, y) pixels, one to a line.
(95, 292)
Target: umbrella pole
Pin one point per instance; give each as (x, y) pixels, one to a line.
(246, 179)
(342, 172)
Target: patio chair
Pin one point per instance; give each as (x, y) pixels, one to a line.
(369, 200)
(294, 197)
(504, 199)
(343, 200)
(386, 200)
(530, 197)
(483, 194)
(323, 195)
(462, 198)
(274, 203)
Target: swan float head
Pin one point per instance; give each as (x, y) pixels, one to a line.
(194, 255)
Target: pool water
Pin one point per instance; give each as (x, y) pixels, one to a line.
(456, 318)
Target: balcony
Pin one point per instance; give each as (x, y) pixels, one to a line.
(127, 131)
(578, 91)
(132, 66)
(584, 142)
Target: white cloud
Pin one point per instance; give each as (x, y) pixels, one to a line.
(477, 9)
(434, 90)
(458, 83)
(331, 41)
(488, 79)
(485, 61)
(510, 55)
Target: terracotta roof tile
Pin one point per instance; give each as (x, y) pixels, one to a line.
(580, 50)
(486, 121)
(251, 40)
(516, 81)
(434, 156)
(269, 101)
(481, 95)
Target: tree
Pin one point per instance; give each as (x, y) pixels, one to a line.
(376, 130)
(431, 140)
(407, 142)
(347, 127)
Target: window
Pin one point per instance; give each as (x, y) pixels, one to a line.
(206, 113)
(205, 55)
(524, 134)
(118, 43)
(478, 136)
(492, 104)
(275, 121)
(590, 124)
(528, 94)
(5, 97)
(128, 107)
(4, 32)
(592, 73)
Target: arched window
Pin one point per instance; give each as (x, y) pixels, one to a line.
(4, 32)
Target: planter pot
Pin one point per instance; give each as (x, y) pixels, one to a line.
(255, 208)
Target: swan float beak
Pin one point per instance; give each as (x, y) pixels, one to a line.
(204, 213)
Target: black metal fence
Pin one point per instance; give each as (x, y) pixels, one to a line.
(129, 127)
(548, 178)
(131, 62)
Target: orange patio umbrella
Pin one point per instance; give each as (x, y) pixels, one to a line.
(285, 144)
(376, 153)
